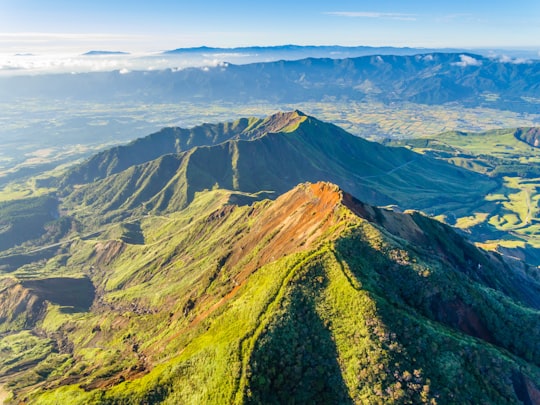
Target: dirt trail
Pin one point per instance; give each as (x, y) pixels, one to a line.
(3, 395)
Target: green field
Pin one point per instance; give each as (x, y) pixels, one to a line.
(510, 217)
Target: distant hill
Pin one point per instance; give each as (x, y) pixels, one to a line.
(271, 155)
(432, 78)
(100, 53)
(302, 51)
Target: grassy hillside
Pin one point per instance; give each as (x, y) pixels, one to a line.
(289, 148)
(510, 217)
(313, 297)
(167, 141)
(22, 220)
(174, 280)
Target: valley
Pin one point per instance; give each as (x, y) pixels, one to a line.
(501, 155)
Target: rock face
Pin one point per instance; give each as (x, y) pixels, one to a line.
(529, 135)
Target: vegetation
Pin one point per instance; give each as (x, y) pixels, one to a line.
(176, 281)
(376, 174)
(22, 220)
(314, 297)
(510, 157)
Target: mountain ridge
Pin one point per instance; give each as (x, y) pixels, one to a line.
(270, 286)
(174, 140)
(296, 147)
(190, 285)
(433, 79)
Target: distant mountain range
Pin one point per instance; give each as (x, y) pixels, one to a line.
(433, 78)
(310, 48)
(104, 53)
(292, 52)
(336, 51)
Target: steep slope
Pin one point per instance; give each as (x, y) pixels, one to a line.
(529, 135)
(313, 297)
(23, 303)
(299, 149)
(26, 219)
(166, 141)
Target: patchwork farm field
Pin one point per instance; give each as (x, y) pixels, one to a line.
(512, 210)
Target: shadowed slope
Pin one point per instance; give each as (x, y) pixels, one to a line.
(173, 140)
(529, 135)
(301, 149)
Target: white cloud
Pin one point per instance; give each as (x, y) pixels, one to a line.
(373, 14)
(44, 36)
(467, 60)
(12, 64)
(515, 61)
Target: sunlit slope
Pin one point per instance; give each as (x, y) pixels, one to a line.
(299, 149)
(509, 216)
(315, 297)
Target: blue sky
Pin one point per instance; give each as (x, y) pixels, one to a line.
(27, 25)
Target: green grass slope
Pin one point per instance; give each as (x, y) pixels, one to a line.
(302, 149)
(22, 220)
(312, 298)
(508, 217)
(166, 141)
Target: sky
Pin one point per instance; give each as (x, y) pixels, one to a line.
(71, 27)
(164, 24)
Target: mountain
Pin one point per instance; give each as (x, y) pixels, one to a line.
(431, 78)
(161, 272)
(269, 155)
(290, 52)
(102, 53)
(315, 297)
(172, 140)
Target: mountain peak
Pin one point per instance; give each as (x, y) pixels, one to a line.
(284, 121)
